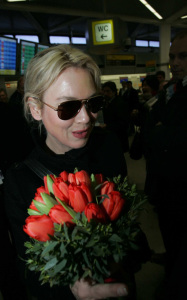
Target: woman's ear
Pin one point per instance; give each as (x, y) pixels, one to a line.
(34, 109)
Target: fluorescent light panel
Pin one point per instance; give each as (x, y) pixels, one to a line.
(30, 38)
(59, 39)
(78, 40)
(184, 17)
(146, 4)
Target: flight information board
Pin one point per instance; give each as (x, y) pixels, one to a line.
(41, 47)
(8, 56)
(28, 50)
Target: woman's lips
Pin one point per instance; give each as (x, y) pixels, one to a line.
(80, 134)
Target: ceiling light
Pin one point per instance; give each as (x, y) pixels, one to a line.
(184, 17)
(15, 0)
(151, 9)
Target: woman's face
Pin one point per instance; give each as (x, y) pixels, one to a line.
(62, 136)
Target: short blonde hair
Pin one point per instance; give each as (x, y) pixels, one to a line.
(47, 65)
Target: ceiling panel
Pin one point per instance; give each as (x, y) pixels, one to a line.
(59, 17)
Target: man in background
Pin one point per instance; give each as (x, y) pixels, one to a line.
(166, 180)
(123, 89)
(131, 98)
(160, 75)
(3, 95)
(115, 113)
(17, 97)
(161, 78)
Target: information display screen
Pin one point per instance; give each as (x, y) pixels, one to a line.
(41, 47)
(28, 50)
(8, 56)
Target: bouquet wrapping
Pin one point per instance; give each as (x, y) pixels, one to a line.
(80, 225)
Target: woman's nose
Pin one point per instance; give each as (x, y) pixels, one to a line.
(84, 115)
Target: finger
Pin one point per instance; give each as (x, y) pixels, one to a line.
(101, 291)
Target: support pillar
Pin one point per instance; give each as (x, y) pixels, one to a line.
(165, 39)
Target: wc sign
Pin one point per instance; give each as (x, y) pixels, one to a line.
(103, 32)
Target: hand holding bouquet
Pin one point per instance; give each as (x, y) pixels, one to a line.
(79, 225)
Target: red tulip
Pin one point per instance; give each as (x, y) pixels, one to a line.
(87, 192)
(94, 211)
(71, 178)
(113, 205)
(79, 177)
(99, 178)
(64, 176)
(38, 197)
(59, 215)
(39, 227)
(107, 187)
(77, 198)
(60, 190)
(82, 177)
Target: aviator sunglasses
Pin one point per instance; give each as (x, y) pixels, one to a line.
(69, 109)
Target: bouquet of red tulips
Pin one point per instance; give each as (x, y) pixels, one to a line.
(79, 224)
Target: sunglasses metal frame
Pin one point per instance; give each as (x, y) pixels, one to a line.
(83, 101)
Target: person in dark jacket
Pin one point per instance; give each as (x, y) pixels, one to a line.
(62, 87)
(166, 180)
(131, 98)
(115, 113)
(62, 93)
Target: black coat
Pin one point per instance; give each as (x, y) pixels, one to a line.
(16, 141)
(132, 98)
(167, 143)
(166, 180)
(116, 118)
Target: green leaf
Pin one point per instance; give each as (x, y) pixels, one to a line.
(115, 238)
(49, 200)
(28, 244)
(50, 184)
(84, 219)
(41, 207)
(33, 212)
(91, 243)
(59, 266)
(50, 264)
(86, 259)
(62, 249)
(87, 273)
(116, 257)
(98, 266)
(50, 246)
(78, 250)
(66, 232)
(74, 233)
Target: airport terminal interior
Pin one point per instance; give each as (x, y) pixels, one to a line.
(137, 45)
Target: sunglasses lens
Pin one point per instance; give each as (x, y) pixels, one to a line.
(69, 109)
(95, 104)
